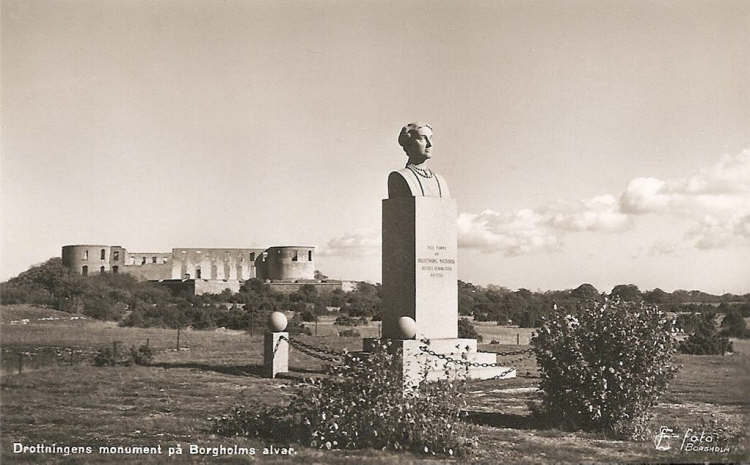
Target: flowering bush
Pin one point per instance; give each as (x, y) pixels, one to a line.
(362, 404)
(605, 365)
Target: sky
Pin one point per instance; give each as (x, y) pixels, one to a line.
(585, 141)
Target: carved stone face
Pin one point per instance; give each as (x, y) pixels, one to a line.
(419, 147)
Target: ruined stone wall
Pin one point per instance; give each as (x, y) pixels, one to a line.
(229, 264)
(148, 272)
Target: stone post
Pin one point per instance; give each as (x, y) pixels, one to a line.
(275, 353)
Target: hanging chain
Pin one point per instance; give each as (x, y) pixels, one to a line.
(322, 350)
(330, 355)
(313, 351)
(467, 363)
(281, 338)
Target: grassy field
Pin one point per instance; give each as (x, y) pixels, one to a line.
(170, 403)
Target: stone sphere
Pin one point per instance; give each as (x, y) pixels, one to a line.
(407, 327)
(277, 322)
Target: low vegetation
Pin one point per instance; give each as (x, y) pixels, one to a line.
(111, 356)
(605, 365)
(361, 404)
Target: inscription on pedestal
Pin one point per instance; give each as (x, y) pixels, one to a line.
(436, 264)
(419, 266)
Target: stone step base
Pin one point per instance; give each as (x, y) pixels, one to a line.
(419, 365)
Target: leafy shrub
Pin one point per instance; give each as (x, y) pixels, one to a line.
(362, 404)
(466, 330)
(705, 339)
(143, 355)
(603, 366)
(104, 357)
(108, 357)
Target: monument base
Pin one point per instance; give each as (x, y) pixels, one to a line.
(419, 365)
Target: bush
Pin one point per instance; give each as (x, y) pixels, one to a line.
(108, 357)
(706, 340)
(603, 366)
(143, 355)
(466, 330)
(104, 357)
(361, 404)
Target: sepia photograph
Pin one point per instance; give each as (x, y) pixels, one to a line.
(363, 232)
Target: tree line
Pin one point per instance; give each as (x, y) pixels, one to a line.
(121, 297)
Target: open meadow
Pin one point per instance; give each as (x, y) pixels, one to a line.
(170, 403)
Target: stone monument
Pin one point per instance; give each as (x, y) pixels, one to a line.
(419, 250)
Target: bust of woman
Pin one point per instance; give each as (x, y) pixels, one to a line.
(416, 179)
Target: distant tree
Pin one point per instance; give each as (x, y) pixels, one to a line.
(308, 316)
(627, 293)
(733, 325)
(585, 291)
(688, 322)
(706, 340)
(524, 293)
(466, 330)
(255, 285)
(344, 320)
(309, 291)
(656, 297)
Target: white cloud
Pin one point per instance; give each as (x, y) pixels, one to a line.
(713, 233)
(718, 198)
(720, 189)
(517, 233)
(645, 195)
(355, 244)
(601, 213)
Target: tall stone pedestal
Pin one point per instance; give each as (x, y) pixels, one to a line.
(420, 281)
(419, 266)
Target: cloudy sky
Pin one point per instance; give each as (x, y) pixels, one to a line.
(584, 141)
